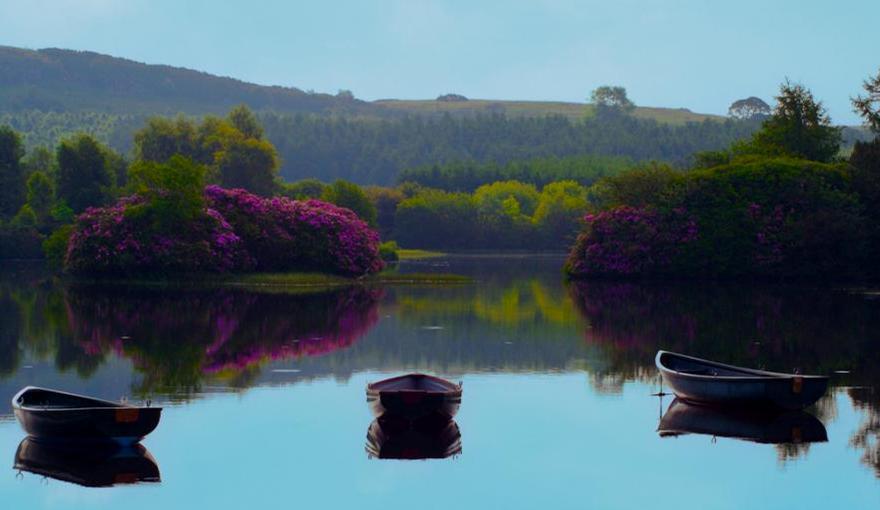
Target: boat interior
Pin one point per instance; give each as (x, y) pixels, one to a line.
(44, 399)
(414, 382)
(694, 367)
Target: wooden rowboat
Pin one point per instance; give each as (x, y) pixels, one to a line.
(57, 415)
(708, 382)
(758, 426)
(94, 464)
(414, 397)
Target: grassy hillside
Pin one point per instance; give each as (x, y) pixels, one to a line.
(67, 81)
(77, 81)
(572, 111)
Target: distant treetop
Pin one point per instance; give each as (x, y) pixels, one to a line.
(611, 98)
(451, 98)
(749, 108)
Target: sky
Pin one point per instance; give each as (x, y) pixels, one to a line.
(700, 55)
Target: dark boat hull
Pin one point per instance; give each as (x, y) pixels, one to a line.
(66, 417)
(414, 397)
(414, 405)
(93, 465)
(773, 427)
(752, 388)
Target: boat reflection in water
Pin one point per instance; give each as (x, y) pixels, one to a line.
(91, 464)
(390, 438)
(771, 427)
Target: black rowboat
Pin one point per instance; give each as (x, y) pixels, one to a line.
(414, 397)
(759, 426)
(707, 382)
(99, 464)
(56, 415)
(435, 442)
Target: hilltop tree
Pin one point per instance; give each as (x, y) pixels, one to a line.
(611, 99)
(12, 189)
(85, 178)
(799, 127)
(749, 108)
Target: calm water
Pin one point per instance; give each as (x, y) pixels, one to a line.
(266, 408)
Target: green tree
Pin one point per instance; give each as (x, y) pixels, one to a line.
(12, 183)
(163, 138)
(40, 197)
(609, 99)
(247, 163)
(749, 108)
(173, 191)
(85, 178)
(799, 127)
(303, 189)
(351, 196)
(386, 201)
(40, 159)
(868, 106)
(558, 214)
(244, 120)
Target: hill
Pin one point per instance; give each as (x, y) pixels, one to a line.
(81, 81)
(58, 80)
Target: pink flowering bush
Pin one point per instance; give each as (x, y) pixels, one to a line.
(110, 241)
(627, 241)
(283, 234)
(232, 231)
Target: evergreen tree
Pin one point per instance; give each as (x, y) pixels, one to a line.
(12, 181)
(84, 175)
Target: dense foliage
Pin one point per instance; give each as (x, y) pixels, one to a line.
(506, 214)
(283, 234)
(470, 175)
(376, 152)
(173, 224)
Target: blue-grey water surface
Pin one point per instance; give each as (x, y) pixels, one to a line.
(265, 406)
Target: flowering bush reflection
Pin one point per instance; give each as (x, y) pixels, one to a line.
(177, 339)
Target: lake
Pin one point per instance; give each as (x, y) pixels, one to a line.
(265, 403)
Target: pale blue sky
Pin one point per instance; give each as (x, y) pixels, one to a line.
(694, 54)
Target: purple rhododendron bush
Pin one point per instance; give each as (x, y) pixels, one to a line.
(234, 231)
(768, 218)
(283, 234)
(112, 241)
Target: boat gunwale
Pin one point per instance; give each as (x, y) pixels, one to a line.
(454, 390)
(113, 405)
(757, 375)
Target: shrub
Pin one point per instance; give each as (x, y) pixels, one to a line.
(628, 241)
(283, 234)
(108, 241)
(388, 251)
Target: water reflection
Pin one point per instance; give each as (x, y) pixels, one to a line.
(757, 426)
(223, 333)
(89, 465)
(811, 329)
(392, 439)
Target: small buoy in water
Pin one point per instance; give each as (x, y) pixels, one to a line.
(125, 337)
